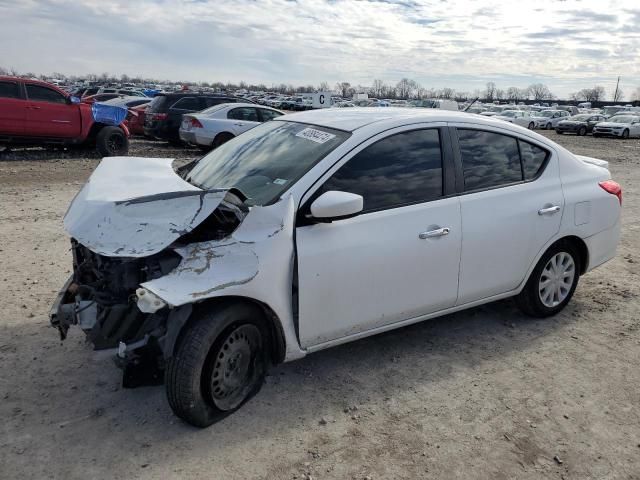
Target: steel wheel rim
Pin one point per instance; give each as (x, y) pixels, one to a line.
(234, 369)
(556, 279)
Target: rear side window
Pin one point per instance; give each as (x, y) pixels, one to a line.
(244, 113)
(211, 101)
(269, 114)
(488, 159)
(533, 159)
(9, 90)
(157, 104)
(399, 170)
(44, 94)
(187, 103)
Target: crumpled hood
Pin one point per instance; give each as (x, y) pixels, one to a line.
(136, 207)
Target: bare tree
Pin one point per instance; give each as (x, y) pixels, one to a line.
(499, 94)
(343, 88)
(378, 88)
(590, 94)
(490, 92)
(323, 87)
(447, 93)
(539, 91)
(404, 88)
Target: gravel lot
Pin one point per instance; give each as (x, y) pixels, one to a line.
(484, 394)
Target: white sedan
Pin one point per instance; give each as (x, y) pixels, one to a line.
(548, 119)
(518, 117)
(320, 228)
(623, 126)
(216, 125)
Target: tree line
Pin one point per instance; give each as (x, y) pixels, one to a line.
(405, 89)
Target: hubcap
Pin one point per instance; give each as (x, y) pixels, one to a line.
(556, 279)
(233, 372)
(115, 143)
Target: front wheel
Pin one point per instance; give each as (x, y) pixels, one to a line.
(552, 282)
(625, 134)
(219, 364)
(531, 126)
(112, 142)
(582, 131)
(548, 126)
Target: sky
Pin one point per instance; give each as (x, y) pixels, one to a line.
(566, 44)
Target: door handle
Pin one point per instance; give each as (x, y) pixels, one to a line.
(438, 232)
(549, 210)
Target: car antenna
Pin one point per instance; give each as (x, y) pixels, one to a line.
(469, 106)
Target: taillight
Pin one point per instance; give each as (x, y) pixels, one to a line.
(195, 123)
(159, 116)
(613, 188)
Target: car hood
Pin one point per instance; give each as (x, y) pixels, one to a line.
(136, 207)
(572, 122)
(612, 124)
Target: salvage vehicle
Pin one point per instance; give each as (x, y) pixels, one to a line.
(518, 117)
(38, 113)
(623, 126)
(217, 125)
(548, 119)
(164, 115)
(320, 228)
(580, 124)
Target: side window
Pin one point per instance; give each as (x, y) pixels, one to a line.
(268, 114)
(488, 159)
(401, 169)
(9, 90)
(39, 93)
(247, 114)
(533, 159)
(187, 103)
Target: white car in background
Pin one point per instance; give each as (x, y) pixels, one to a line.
(518, 117)
(548, 119)
(216, 125)
(623, 126)
(320, 228)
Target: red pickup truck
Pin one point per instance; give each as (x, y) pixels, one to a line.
(38, 113)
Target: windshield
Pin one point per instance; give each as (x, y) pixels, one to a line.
(265, 161)
(510, 113)
(623, 119)
(547, 113)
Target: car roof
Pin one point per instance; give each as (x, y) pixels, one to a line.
(352, 119)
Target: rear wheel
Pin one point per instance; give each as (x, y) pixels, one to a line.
(111, 142)
(219, 364)
(582, 131)
(221, 138)
(625, 134)
(552, 282)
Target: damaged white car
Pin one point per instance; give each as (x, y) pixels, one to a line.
(319, 228)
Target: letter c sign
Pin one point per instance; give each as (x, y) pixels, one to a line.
(321, 99)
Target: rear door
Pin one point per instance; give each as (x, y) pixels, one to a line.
(398, 259)
(511, 206)
(49, 114)
(13, 108)
(243, 119)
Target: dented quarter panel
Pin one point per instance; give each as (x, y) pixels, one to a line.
(255, 261)
(135, 207)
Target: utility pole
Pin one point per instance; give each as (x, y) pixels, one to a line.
(615, 94)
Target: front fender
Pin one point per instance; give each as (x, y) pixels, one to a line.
(255, 262)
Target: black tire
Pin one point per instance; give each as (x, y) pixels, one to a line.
(582, 131)
(202, 387)
(625, 134)
(530, 301)
(531, 126)
(221, 138)
(548, 126)
(112, 142)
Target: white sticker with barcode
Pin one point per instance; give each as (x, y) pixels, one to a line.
(314, 135)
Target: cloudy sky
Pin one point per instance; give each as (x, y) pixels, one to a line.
(568, 45)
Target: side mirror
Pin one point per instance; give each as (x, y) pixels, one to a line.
(334, 205)
(73, 100)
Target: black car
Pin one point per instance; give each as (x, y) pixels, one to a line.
(164, 115)
(580, 124)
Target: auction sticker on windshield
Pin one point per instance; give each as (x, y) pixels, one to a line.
(314, 135)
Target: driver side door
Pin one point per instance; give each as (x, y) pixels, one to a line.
(395, 261)
(49, 114)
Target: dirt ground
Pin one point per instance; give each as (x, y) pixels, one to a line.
(483, 394)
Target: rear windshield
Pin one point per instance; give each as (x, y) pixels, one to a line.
(157, 103)
(267, 160)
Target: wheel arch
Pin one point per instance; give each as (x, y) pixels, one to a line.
(277, 336)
